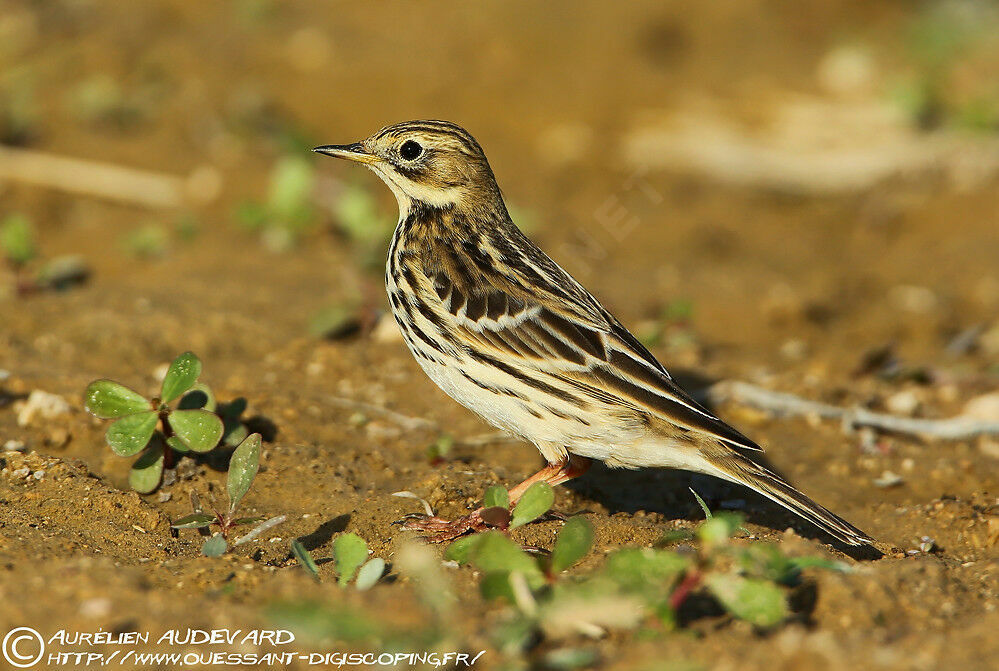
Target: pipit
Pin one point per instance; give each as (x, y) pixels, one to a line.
(509, 334)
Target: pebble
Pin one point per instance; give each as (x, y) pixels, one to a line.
(903, 403)
(989, 447)
(888, 479)
(15, 446)
(95, 608)
(914, 299)
(41, 405)
(985, 407)
(386, 330)
(21, 472)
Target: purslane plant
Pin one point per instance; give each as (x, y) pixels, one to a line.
(184, 417)
(634, 584)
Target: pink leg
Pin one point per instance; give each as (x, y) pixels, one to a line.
(553, 474)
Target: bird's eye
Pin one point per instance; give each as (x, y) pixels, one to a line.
(410, 150)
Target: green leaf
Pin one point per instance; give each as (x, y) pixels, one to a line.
(573, 542)
(199, 429)
(702, 504)
(193, 521)
(496, 585)
(370, 573)
(128, 435)
(305, 559)
(180, 376)
(177, 444)
(716, 531)
(108, 399)
(645, 570)
(496, 497)
(239, 521)
(214, 546)
(147, 470)
(461, 549)
(496, 552)
(242, 469)
(349, 551)
(535, 502)
(291, 186)
(759, 602)
(17, 240)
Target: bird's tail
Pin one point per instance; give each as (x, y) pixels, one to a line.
(737, 468)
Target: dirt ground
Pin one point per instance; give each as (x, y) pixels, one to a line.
(786, 290)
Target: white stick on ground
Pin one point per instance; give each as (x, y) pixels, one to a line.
(91, 178)
(781, 404)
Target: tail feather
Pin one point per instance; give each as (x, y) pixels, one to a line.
(737, 468)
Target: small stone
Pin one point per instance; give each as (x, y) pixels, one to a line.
(915, 299)
(58, 438)
(985, 407)
(41, 405)
(386, 330)
(989, 447)
(794, 349)
(163, 497)
(38, 475)
(95, 608)
(15, 446)
(903, 403)
(21, 472)
(160, 372)
(888, 479)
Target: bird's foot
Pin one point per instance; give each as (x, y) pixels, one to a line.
(439, 530)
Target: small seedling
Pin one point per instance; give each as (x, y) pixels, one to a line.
(243, 468)
(19, 250)
(439, 451)
(289, 212)
(305, 559)
(163, 425)
(350, 554)
(150, 241)
(357, 216)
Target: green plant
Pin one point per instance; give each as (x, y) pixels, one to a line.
(289, 212)
(350, 556)
(17, 240)
(357, 216)
(634, 585)
(183, 418)
(243, 467)
(19, 250)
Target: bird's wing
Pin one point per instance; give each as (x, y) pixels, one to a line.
(544, 321)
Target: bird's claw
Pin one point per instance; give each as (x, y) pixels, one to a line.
(438, 530)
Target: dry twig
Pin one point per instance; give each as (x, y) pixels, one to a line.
(782, 404)
(91, 178)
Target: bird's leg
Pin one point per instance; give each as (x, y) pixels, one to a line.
(439, 530)
(553, 474)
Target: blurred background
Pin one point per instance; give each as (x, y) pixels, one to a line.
(749, 160)
(804, 195)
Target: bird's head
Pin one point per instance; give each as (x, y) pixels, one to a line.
(432, 162)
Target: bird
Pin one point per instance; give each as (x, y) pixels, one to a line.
(503, 330)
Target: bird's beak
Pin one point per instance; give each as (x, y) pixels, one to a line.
(351, 152)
